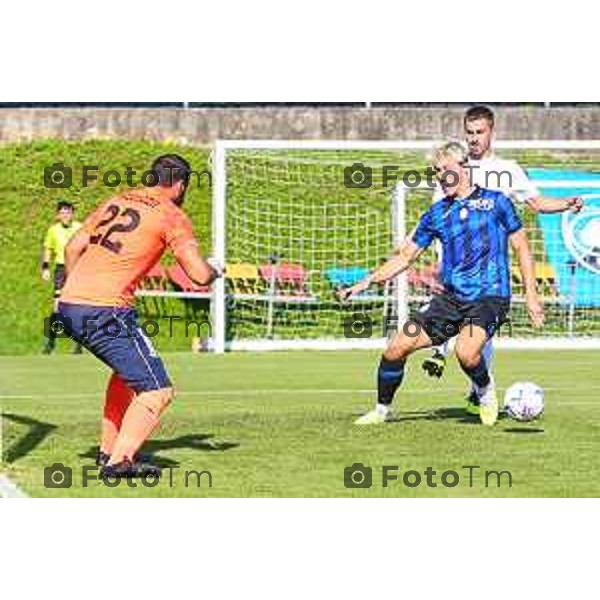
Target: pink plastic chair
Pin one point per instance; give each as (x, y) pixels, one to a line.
(287, 276)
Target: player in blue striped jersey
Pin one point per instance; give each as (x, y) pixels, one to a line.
(475, 227)
(492, 172)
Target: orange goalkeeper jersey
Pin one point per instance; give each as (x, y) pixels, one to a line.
(128, 235)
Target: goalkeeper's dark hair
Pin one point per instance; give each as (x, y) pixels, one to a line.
(480, 112)
(172, 168)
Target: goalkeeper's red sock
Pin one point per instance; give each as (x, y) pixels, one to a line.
(118, 399)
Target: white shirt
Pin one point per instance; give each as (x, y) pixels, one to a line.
(499, 174)
(503, 175)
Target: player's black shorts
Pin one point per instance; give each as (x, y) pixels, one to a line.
(446, 314)
(59, 279)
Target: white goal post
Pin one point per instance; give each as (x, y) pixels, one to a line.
(290, 232)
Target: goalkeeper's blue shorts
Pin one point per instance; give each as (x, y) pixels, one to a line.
(113, 336)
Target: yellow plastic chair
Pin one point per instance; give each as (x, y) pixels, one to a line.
(243, 278)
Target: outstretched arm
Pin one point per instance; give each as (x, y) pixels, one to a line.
(196, 268)
(520, 245)
(555, 205)
(179, 236)
(406, 254)
(524, 189)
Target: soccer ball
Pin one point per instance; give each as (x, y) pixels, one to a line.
(524, 401)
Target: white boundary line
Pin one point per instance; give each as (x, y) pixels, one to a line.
(342, 344)
(8, 489)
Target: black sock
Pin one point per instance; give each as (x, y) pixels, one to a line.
(479, 375)
(389, 377)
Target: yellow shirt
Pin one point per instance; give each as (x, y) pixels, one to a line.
(57, 238)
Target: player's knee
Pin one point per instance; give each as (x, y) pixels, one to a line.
(411, 338)
(169, 395)
(467, 357)
(157, 401)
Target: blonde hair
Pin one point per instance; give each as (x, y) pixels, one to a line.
(453, 149)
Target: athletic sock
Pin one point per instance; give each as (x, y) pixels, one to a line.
(488, 354)
(479, 375)
(118, 399)
(389, 377)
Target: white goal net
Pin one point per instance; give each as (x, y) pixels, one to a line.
(294, 221)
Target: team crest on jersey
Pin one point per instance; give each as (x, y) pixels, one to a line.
(486, 204)
(581, 233)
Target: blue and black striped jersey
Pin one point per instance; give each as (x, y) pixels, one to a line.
(474, 235)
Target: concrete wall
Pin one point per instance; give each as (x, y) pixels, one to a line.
(201, 126)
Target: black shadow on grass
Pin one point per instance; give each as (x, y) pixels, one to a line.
(524, 430)
(440, 414)
(37, 433)
(200, 442)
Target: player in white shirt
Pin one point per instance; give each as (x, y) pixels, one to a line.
(489, 171)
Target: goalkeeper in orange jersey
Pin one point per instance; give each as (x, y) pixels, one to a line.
(105, 260)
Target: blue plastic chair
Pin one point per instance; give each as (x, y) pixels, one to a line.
(345, 276)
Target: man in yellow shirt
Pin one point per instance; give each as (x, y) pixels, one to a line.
(56, 239)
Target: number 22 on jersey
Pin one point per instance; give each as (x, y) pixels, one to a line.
(118, 221)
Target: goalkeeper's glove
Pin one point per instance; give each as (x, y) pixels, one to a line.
(216, 266)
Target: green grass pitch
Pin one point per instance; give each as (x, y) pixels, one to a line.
(280, 424)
